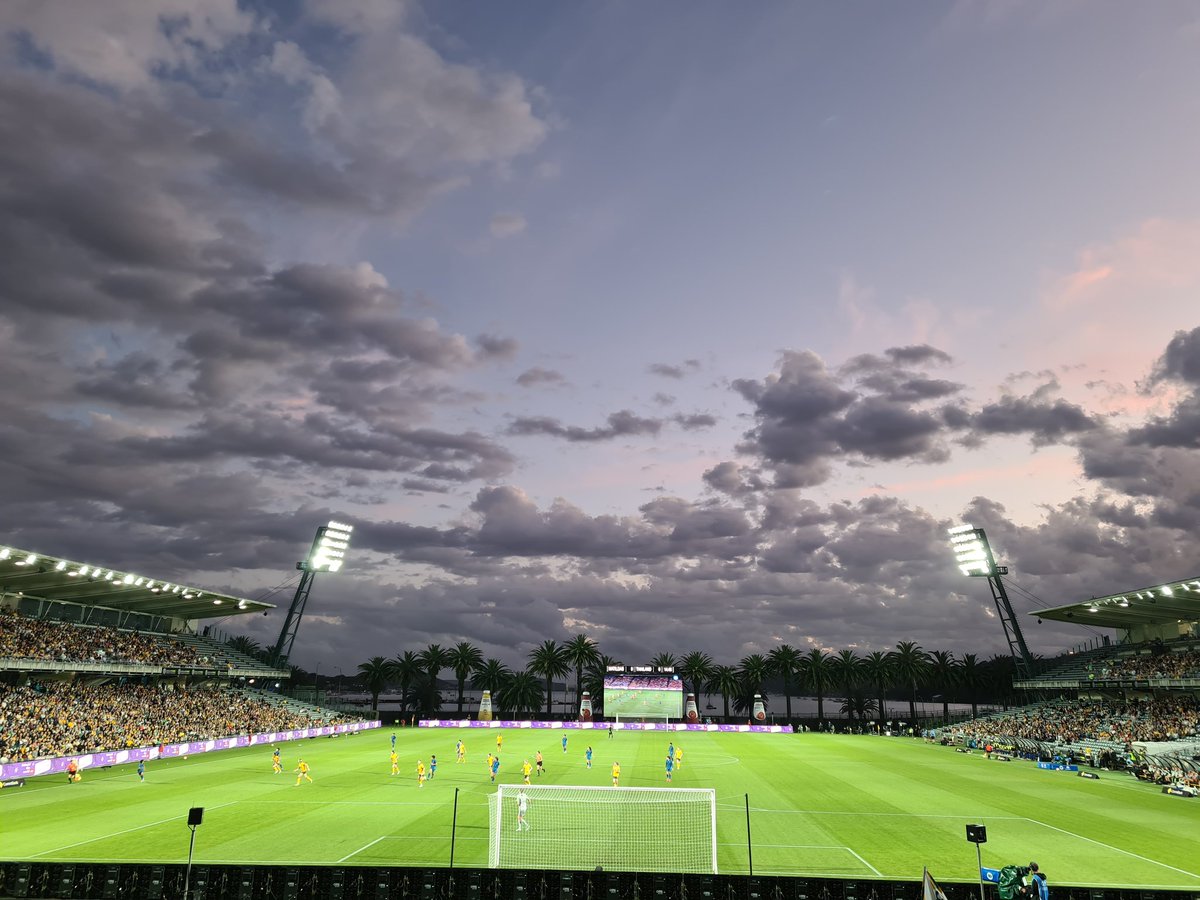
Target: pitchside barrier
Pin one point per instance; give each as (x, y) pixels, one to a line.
(58, 765)
(133, 881)
(604, 726)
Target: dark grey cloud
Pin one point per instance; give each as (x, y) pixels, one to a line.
(1181, 359)
(695, 421)
(1045, 421)
(496, 347)
(623, 423)
(670, 370)
(537, 375)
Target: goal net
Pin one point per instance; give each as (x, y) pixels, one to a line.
(621, 829)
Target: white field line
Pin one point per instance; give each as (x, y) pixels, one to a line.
(1117, 849)
(865, 863)
(126, 831)
(364, 847)
(835, 812)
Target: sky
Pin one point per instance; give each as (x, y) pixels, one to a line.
(685, 325)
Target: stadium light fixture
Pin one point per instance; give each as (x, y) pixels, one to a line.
(971, 551)
(62, 564)
(5, 553)
(328, 552)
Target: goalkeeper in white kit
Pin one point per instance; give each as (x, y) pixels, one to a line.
(522, 808)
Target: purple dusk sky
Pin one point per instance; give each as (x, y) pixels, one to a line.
(690, 326)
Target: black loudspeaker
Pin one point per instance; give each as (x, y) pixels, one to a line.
(337, 884)
(112, 883)
(154, 884)
(20, 884)
(199, 884)
(64, 881)
(977, 834)
(196, 815)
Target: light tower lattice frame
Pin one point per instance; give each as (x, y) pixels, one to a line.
(974, 555)
(327, 554)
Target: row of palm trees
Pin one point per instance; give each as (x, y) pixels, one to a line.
(863, 681)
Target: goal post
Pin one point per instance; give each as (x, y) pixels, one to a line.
(629, 829)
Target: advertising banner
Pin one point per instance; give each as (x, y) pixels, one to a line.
(118, 757)
(616, 726)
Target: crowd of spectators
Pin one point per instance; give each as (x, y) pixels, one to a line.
(1139, 720)
(64, 718)
(23, 637)
(1154, 665)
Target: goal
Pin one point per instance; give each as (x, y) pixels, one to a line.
(621, 829)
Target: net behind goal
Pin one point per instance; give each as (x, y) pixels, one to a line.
(621, 829)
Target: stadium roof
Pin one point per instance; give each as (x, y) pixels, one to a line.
(41, 577)
(1173, 601)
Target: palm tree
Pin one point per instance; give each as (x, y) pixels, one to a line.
(408, 671)
(785, 662)
(943, 674)
(754, 670)
(910, 664)
(857, 705)
(697, 668)
(520, 693)
(490, 675)
(549, 660)
(971, 676)
(433, 659)
(464, 659)
(847, 670)
(581, 652)
(246, 645)
(593, 681)
(666, 660)
(817, 670)
(727, 681)
(877, 670)
(377, 672)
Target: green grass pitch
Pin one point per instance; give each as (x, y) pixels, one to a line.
(860, 807)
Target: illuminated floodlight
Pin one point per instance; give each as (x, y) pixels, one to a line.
(5, 553)
(128, 579)
(28, 561)
(971, 550)
(1167, 592)
(329, 549)
(62, 564)
(241, 604)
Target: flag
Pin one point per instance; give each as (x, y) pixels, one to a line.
(931, 889)
(991, 876)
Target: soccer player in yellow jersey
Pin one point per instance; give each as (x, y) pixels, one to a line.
(420, 773)
(678, 757)
(460, 752)
(490, 757)
(276, 765)
(302, 773)
(395, 763)
(616, 773)
(499, 743)
(526, 770)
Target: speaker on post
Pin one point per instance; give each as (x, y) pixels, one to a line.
(195, 816)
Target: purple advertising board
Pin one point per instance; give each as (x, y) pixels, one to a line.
(617, 726)
(115, 758)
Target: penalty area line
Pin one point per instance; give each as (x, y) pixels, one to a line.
(366, 847)
(126, 831)
(1111, 847)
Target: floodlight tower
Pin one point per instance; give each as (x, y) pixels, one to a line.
(327, 554)
(974, 557)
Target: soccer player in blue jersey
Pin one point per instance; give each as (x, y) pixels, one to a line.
(432, 767)
(564, 743)
(670, 765)
(141, 770)
(495, 767)
(393, 740)
(588, 757)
